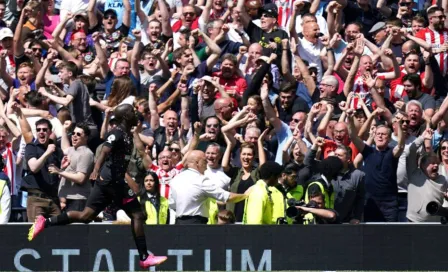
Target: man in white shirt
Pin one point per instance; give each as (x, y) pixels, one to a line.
(310, 46)
(214, 171)
(191, 190)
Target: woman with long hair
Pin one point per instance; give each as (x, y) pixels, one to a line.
(154, 206)
(122, 92)
(443, 157)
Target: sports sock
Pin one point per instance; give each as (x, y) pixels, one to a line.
(141, 247)
(61, 219)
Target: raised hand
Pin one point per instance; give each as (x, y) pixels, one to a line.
(242, 50)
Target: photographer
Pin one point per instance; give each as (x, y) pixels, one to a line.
(315, 211)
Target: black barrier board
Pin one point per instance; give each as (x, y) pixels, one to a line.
(228, 248)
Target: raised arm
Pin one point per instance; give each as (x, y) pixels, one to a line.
(214, 48)
(261, 152)
(135, 57)
(127, 13)
(91, 14)
(230, 142)
(359, 144)
(155, 123)
(165, 16)
(306, 78)
(3, 74)
(40, 78)
(25, 127)
(103, 64)
(269, 110)
(245, 18)
(17, 40)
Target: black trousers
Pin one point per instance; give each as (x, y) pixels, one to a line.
(191, 220)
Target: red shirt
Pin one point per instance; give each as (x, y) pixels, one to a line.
(237, 83)
(436, 39)
(397, 91)
(178, 25)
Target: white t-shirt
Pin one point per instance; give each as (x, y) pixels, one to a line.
(311, 53)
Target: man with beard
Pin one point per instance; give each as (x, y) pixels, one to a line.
(411, 66)
(412, 86)
(269, 35)
(380, 166)
(42, 187)
(109, 174)
(233, 83)
(436, 34)
(289, 103)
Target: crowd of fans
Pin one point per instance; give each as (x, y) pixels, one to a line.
(348, 98)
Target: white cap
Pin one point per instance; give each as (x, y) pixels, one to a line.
(5, 33)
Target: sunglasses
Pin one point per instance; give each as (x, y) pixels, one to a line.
(37, 49)
(405, 121)
(172, 149)
(189, 14)
(110, 17)
(214, 126)
(77, 134)
(444, 148)
(405, 4)
(42, 129)
(296, 120)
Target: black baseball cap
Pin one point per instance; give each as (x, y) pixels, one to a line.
(270, 10)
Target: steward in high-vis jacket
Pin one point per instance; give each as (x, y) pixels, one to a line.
(328, 169)
(265, 203)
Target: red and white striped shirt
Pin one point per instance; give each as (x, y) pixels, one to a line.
(436, 39)
(9, 157)
(165, 177)
(284, 11)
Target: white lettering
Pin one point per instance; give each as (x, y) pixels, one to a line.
(207, 260)
(22, 252)
(246, 260)
(65, 253)
(132, 254)
(99, 256)
(180, 253)
(228, 260)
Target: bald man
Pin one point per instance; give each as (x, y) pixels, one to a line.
(224, 108)
(162, 134)
(191, 190)
(310, 46)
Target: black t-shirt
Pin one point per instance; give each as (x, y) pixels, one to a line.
(299, 105)
(257, 35)
(239, 207)
(113, 40)
(42, 179)
(353, 13)
(117, 162)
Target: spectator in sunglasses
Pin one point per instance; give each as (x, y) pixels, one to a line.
(76, 168)
(42, 187)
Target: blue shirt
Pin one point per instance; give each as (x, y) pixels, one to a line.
(282, 137)
(381, 172)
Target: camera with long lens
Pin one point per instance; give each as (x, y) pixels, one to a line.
(295, 213)
(435, 209)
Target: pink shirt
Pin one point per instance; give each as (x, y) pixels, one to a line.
(50, 23)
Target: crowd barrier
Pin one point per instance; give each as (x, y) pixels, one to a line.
(105, 247)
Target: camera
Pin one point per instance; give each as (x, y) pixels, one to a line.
(293, 212)
(435, 209)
